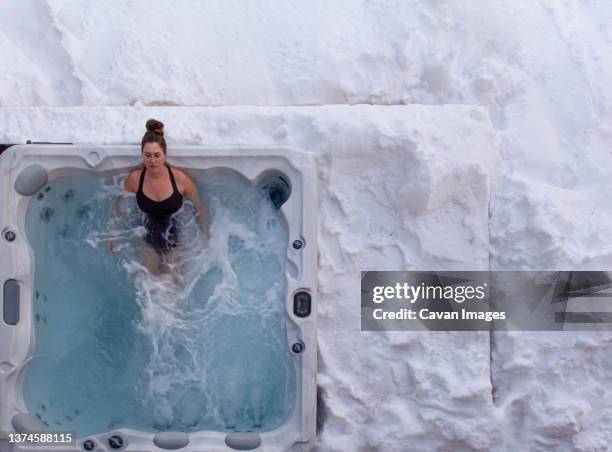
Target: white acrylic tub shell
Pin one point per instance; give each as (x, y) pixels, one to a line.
(17, 342)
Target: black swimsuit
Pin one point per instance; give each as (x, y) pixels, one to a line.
(162, 230)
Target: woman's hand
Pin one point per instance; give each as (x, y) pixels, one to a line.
(191, 192)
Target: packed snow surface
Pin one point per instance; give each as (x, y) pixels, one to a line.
(486, 145)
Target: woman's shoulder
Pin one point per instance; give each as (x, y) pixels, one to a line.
(181, 176)
(135, 172)
(132, 179)
(178, 172)
(184, 181)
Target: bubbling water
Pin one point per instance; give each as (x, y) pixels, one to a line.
(208, 332)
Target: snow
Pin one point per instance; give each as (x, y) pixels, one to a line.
(455, 135)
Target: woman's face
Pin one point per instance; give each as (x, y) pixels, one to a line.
(153, 155)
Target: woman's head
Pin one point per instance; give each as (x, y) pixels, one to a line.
(153, 144)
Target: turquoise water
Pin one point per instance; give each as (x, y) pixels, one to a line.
(117, 346)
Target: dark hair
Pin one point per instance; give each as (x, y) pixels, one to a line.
(154, 134)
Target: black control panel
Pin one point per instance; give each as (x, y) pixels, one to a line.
(302, 304)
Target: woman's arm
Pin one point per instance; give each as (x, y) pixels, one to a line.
(191, 191)
(131, 181)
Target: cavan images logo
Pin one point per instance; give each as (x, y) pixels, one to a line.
(453, 301)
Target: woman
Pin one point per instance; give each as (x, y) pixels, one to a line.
(159, 194)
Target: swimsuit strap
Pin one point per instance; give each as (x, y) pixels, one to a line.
(141, 179)
(174, 187)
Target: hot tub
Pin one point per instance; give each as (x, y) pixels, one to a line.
(234, 368)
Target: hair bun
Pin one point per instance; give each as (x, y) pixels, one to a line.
(155, 126)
